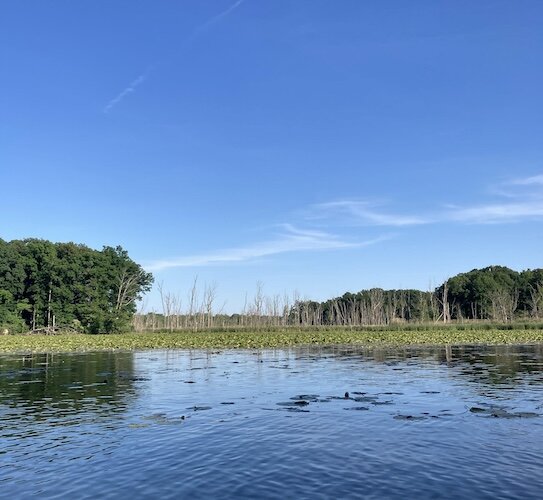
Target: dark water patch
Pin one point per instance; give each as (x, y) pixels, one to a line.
(365, 399)
(357, 408)
(526, 414)
(307, 397)
(500, 412)
(410, 417)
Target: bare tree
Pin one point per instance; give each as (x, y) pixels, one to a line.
(536, 299)
(444, 300)
(286, 309)
(193, 305)
(503, 304)
(210, 294)
(258, 301)
(129, 284)
(376, 303)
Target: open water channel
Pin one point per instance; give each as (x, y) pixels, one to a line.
(457, 422)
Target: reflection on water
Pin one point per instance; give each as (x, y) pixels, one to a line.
(43, 387)
(309, 422)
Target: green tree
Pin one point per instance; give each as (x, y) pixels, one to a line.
(43, 284)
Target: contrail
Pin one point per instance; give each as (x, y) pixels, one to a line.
(131, 88)
(218, 17)
(140, 79)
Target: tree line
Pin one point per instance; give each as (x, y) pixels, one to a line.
(495, 293)
(49, 286)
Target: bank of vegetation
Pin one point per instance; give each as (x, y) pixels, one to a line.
(280, 337)
(50, 287)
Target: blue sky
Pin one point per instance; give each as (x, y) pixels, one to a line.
(321, 146)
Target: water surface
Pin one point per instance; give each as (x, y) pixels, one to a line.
(428, 423)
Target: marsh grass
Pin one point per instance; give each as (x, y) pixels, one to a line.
(280, 337)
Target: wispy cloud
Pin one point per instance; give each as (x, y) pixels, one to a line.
(536, 180)
(364, 212)
(292, 239)
(129, 89)
(497, 213)
(524, 201)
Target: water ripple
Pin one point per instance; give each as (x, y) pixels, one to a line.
(418, 424)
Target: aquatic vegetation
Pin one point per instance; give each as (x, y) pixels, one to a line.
(267, 339)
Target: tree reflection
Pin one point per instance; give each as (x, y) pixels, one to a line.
(46, 385)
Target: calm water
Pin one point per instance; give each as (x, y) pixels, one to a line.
(465, 422)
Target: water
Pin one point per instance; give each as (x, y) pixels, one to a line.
(417, 423)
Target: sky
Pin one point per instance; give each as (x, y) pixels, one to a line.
(311, 146)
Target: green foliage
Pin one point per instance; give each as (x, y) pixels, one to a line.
(494, 293)
(10, 320)
(43, 284)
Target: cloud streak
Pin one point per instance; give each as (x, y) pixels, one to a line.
(364, 212)
(497, 213)
(536, 180)
(291, 240)
(524, 202)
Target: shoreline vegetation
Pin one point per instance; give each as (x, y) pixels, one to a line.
(239, 338)
(70, 297)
